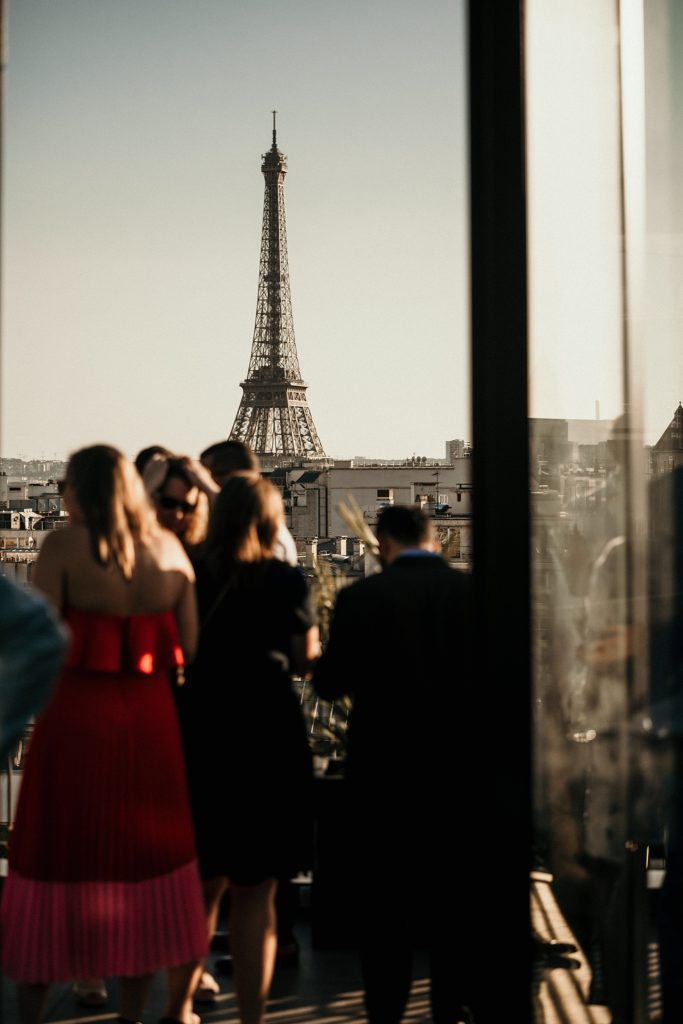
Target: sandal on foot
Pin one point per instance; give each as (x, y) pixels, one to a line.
(207, 990)
(90, 991)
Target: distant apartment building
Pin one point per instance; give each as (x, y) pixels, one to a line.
(667, 454)
(559, 447)
(34, 469)
(556, 446)
(25, 492)
(315, 500)
(458, 450)
(445, 489)
(29, 508)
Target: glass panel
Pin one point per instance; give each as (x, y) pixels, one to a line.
(662, 378)
(605, 323)
(588, 495)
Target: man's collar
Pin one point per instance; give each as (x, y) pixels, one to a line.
(416, 553)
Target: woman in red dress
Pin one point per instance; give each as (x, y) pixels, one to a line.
(103, 876)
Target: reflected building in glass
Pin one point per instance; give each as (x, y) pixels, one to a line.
(606, 498)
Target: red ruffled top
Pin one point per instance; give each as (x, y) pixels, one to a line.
(103, 642)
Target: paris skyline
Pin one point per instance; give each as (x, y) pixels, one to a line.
(133, 136)
(133, 203)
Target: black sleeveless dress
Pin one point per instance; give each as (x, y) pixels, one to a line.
(247, 752)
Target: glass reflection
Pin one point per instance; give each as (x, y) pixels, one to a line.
(607, 493)
(587, 488)
(663, 381)
(583, 633)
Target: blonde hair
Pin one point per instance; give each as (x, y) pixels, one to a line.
(113, 503)
(244, 523)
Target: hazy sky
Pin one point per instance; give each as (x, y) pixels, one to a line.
(133, 200)
(575, 227)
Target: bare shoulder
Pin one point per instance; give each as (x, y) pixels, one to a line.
(63, 544)
(169, 553)
(60, 551)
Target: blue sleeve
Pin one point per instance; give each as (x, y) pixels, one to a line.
(32, 646)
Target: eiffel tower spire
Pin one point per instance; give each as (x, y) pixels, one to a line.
(273, 416)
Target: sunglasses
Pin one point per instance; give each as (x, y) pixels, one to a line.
(173, 504)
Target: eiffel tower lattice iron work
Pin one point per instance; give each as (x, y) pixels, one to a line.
(273, 417)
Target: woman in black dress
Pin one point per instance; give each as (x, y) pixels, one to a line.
(247, 752)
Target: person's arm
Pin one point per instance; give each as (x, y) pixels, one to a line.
(285, 546)
(305, 652)
(32, 646)
(201, 478)
(49, 575)
(154, 473)
(187, 618)
(336, 671)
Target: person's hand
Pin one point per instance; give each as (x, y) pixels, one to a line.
(199, 475)
(155, 473)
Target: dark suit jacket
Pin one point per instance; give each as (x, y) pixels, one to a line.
(400, 646)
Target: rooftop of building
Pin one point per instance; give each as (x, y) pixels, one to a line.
(672, 438)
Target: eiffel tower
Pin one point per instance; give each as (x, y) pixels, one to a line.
(273, 416)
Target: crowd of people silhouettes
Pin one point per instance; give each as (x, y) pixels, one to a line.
(171, 765)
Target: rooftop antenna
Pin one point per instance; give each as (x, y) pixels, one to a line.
(274, 140)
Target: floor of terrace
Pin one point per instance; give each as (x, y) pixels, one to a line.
(325, 987)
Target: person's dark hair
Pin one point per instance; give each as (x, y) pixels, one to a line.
(227, 457)
(113, 504)
(244, 523)
(176, 466)
(143, 457)
(196, 524)
(407, 524)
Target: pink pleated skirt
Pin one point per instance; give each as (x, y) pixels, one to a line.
(103, 876)
(56, 931)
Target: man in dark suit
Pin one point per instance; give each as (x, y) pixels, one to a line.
(399, 645)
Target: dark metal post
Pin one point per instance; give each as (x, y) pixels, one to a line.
(501, 498)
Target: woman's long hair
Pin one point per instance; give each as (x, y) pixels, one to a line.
(244, 523)
(113, 503)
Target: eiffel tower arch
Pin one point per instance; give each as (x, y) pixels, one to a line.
(273, 416)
